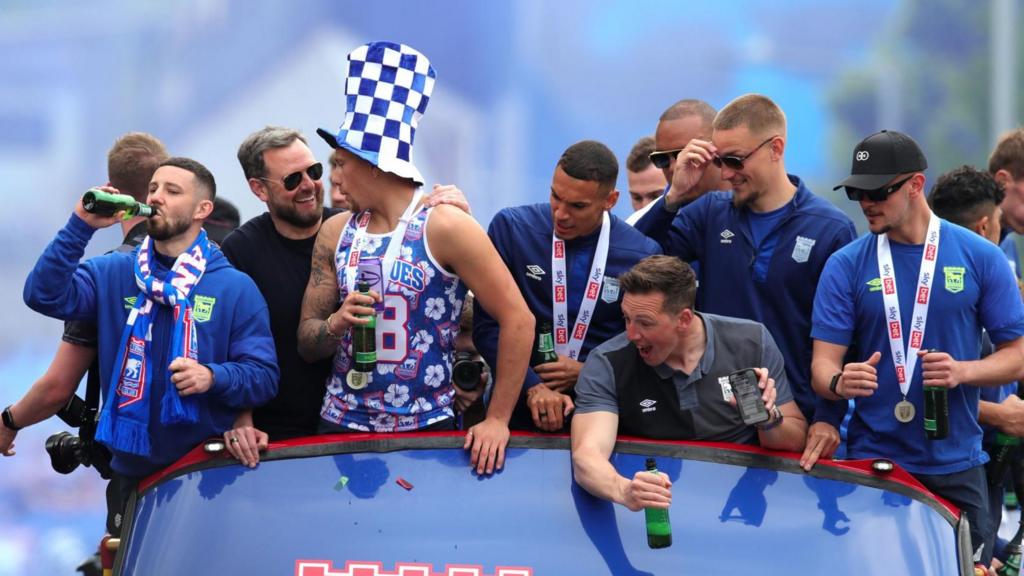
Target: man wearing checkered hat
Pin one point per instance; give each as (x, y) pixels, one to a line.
(428, 259)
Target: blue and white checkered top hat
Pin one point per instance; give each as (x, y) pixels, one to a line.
(386, 93)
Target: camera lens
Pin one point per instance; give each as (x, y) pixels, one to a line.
(466, 371)
(65, 452)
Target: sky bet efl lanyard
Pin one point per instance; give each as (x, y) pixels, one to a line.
(393, 246)
(565, 346)
(906, 361)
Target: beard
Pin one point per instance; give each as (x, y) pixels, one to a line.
(288, 212)
(161, 227)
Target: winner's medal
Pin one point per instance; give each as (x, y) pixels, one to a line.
(904, 357)
(905, 411)
(359, 380)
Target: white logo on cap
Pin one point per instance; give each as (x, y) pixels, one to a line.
(862, 155)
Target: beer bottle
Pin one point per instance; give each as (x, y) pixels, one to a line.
(1013, 554)
(96, 201)
(1002, 454)
(936, 412)
(364, 337)
(545, 345)
(659, 529)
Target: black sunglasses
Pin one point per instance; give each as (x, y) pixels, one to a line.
(662, 158)
(292, 181)
(876, 195)
(733, 162)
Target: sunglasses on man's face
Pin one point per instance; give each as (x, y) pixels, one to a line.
(662, 158)
(876, 195)
(733, 162)
(292, 181)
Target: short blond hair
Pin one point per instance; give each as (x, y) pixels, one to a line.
(755, 111)
(131, 162)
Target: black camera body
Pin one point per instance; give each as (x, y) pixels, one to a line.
(466, 371)
(68, 451)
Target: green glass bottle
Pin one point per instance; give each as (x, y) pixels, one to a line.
(1002, 454)
(545, 351)
(936, 412)
(1013, 554)
(659, 529)
(364, 338)
(96, 201)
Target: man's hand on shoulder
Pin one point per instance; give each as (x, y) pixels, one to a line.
(448, 194)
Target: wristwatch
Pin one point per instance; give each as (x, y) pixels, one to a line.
(775, 419)
(834, 383)
(8, 419)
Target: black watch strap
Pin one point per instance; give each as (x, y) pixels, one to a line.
(8, 419)
(834, 383)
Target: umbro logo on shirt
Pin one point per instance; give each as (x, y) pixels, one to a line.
(648, 405)
(726, 236)
(534, 271)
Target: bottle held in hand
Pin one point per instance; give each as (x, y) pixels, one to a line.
(545, 351)
(364, 346)
(659, 528)
(96, 201)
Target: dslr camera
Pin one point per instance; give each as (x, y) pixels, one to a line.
(68, 451)
(466, 371)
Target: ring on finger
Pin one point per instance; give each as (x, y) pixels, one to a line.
(234, 440)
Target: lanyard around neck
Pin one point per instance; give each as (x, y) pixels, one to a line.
(359, 240)
(566, 344)
(905, 358)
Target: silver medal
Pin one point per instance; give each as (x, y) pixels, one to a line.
(358, 380)
(904, 411)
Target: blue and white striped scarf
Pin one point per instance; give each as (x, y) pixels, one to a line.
(124, 420)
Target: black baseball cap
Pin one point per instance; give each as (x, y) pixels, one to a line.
(881, 157)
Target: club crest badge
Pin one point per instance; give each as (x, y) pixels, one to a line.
(610, 290)
(202, 308)
(802, 249)
(954, 276)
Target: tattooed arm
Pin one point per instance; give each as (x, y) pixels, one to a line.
(317, 338)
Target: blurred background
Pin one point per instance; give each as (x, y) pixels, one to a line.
(518, 82)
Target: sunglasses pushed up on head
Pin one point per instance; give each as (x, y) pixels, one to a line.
(292, 181)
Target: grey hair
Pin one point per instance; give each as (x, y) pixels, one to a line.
(250, 153)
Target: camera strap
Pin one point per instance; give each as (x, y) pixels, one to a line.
(87, 431)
